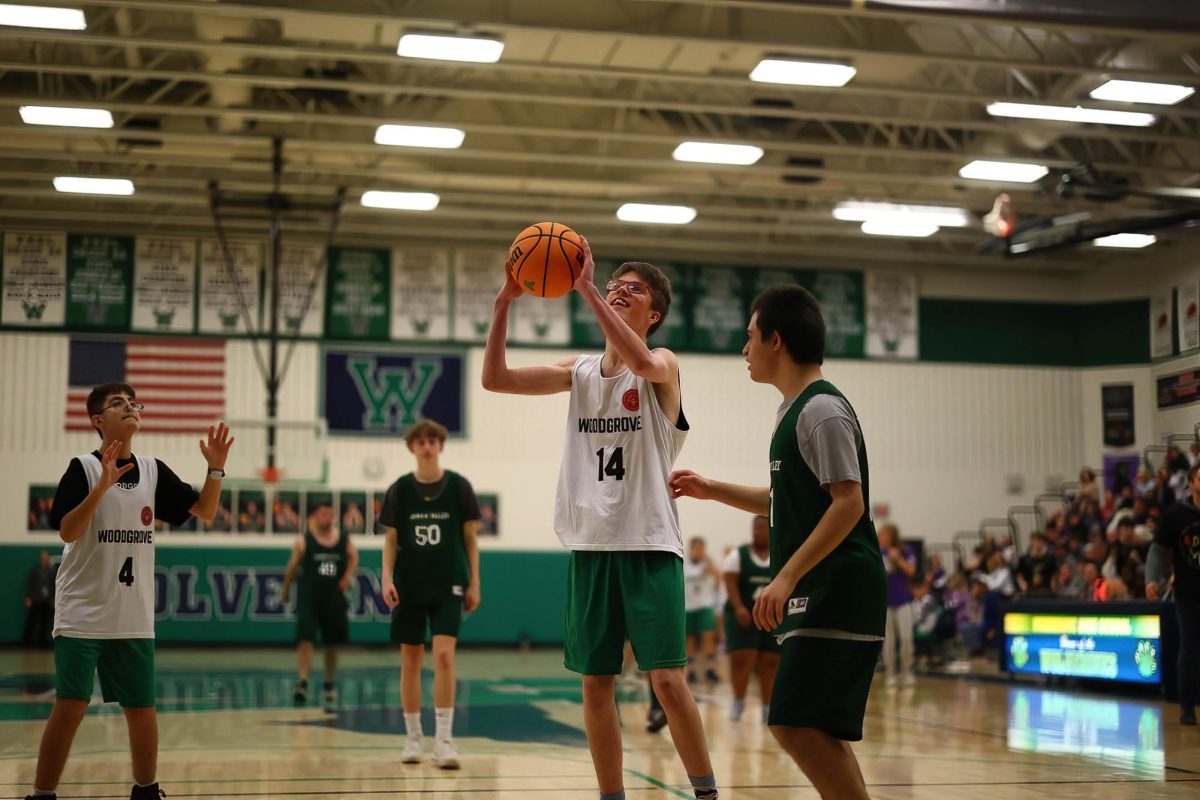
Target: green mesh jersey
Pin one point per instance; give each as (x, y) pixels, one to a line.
(431, 559)
(321, 568)
(751, 577)
(847, 591)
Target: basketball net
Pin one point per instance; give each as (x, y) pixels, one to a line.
(1001, 221)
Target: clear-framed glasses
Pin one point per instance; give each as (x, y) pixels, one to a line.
(125, 405)
(633, 287)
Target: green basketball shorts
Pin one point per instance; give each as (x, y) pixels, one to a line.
(823, 683)
(617, 595)
(747, 638)
(699, 622)
(126, 668)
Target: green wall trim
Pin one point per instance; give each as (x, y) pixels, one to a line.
(222, 595)
(1034, 334)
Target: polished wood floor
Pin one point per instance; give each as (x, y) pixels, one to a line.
(229, 729)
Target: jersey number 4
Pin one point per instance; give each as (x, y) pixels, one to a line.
(615, 466)
(125, 576)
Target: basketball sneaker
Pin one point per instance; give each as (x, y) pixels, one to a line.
(300, 695)
(736, 708)
(330, 698)
(41, 797)
(1187, 716)
(413, 751)
(656, 720)
(711, 675)
(445, 755)
(151, 792)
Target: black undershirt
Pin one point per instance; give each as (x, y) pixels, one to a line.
(173, 499)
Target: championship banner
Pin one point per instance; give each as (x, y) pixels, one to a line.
(99, 282)
(34, 272)
(222, 293)
(359, 281)
(541, 320)
(1160, 325)
(164, 285)
(891, 304)
(1188, 314)
(420, 294)
(841, 297)
(477, 279)
(301, 301)
(718, 310)
(378, 393)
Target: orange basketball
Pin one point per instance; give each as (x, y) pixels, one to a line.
(545, 259)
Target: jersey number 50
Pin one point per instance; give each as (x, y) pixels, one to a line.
(427, 534)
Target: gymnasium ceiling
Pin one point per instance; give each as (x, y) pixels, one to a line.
(580, 115)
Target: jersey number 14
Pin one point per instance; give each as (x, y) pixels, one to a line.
(615, 466)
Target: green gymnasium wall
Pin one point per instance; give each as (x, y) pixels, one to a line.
(219, 595)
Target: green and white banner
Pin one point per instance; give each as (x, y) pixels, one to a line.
(164, 285)
(223, 292)
(34, 271)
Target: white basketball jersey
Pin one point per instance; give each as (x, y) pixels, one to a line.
(699, 586)
(612, 487)
(105, 583)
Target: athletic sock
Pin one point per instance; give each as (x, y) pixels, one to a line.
(704, 786)
(444, 724)
(412, 725)
(43, 792)
(613, 795)
(766, 711)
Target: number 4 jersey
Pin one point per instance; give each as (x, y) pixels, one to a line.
(105, 584)
(612, 487)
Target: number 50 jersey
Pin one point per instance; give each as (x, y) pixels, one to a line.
(431, 562)
(105, 584)
(612, 486)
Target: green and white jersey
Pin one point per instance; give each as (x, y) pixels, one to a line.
(699, 586)
(619, 450)
(105, 584)
(431, 559)
(754, 574)
(818, 441)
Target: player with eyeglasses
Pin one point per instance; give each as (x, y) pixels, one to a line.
(104, 510)
(614, 510)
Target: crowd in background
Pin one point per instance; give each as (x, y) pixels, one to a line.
(1092, 549)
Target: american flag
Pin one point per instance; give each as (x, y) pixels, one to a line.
(181, 381)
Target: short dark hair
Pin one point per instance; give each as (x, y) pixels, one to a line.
(793, 313)
(96, 397)
(695, 540)
(660, 287)
(426, 429)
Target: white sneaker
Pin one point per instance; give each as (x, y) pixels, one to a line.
(735, 709)
(909, 679)
(413, 751)
(890, 682)
(445, 755)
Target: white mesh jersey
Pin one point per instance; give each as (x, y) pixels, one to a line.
(105, 584)
(612, 487)
(699, 586)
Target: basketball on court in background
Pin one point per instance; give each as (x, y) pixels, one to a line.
(545, 259)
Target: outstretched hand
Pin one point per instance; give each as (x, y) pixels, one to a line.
(110, 473)
(216, 449)
(587, 276)
(685, 483)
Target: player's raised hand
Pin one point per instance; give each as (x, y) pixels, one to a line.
(216, 449)
(587, 276)
(110, 473)
(685, 483)
(391, 597)
(511, 290)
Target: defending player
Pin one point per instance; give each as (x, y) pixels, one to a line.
(431, 522)
(747, 571)
(326, 559)
(614, 511)
(104, 510)
(828, 598)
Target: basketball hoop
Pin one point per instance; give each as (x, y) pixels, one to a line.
(1002, 220)
(270, 475)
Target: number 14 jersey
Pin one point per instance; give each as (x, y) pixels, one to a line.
(618, 454)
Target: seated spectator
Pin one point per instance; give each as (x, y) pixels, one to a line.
(1143, 484)
(1096, 550)
(1035, 570)
(1089, 488)
(1091, 580)
(970, 616)
(1109, 508)
(1111, 590)
(999, 577)
(927, 613)
(1068, 583)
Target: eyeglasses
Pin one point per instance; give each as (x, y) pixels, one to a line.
(633, 287)
(124, 405)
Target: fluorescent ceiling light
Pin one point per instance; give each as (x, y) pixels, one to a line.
(66, 117)
(1127, 240)
(896, 226)
(648, 212)
(802, 73)
(401, 201)
(118, 186)
(870, 211)
(63, 19)
(713, 153)
(450, 48)
(1003, 172)
(1159, 94)
(419, 136)
(1098, 116)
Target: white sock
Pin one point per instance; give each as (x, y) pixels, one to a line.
(445, 723)
(43, 792)
(412, 725)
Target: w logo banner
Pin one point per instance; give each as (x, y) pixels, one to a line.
(382, 394)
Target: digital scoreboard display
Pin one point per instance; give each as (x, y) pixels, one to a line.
(1103, 647)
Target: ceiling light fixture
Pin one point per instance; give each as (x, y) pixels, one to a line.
(66, 117)
(401, 201)
(802, 73)
(113, 186)
(659, 214)
(61, 19)
(896, 226)
(871, 211)
(1158, 94)
(474, 49)
(1003, 171)
(1129, 241)
(715, 153)
(419, 136)
(1098, 116)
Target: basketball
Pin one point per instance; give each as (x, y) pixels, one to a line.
(545, 259)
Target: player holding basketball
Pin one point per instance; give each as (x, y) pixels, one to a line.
(827, 601)
(326, 559)
(614, 511)
(104, 510)
(430, 576)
